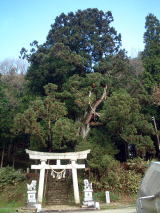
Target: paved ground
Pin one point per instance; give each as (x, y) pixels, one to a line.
(74, 209)
(120, 210)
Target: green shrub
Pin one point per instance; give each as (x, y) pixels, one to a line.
(8, 175)
(118, 180)
(130, 181)
(114, 196)
(101, 197)
(137, 164)
(107, 174)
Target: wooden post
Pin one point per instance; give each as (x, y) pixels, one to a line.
(75, 182)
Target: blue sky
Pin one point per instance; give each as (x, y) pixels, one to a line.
(22, 21)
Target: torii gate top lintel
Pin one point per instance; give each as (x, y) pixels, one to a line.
(57, 156)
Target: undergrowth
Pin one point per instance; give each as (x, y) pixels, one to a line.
(12, 188)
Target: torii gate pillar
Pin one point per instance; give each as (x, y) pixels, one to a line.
(75, 182)
(41, 182)
(72, 156)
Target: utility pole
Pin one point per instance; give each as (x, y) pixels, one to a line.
(155, 126)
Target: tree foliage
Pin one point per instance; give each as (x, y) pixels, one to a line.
(78, 43)
(43, 122)
(156, 95)
(125, 122)
(151, 53)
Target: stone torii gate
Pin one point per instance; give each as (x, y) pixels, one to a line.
(44, 156)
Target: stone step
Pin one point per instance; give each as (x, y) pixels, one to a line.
(53, 195)
(58, 203)
(58, 200)
(62, 201)
(58, 191)
(66, 189)
(55, 198)
(58, 181)
(58, 187)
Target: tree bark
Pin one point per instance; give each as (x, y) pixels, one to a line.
(95, 105)
(13, 155)
(85, 130)
(88, 116)
(9, 151)
(2, 157)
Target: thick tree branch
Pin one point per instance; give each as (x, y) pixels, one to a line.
(92, 123)
(94, 107)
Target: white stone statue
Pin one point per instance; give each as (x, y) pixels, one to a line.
(88, 198)
(32, 186)
(87, 185)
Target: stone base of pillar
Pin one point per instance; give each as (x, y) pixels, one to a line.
(91, 205)
(31, 201)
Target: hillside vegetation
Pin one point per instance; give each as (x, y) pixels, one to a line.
(79, 90)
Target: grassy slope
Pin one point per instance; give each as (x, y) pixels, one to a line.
(13, 196)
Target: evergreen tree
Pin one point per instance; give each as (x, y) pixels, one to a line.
(78, 43)
(126, 124)
(151, 53)
(46, 125)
